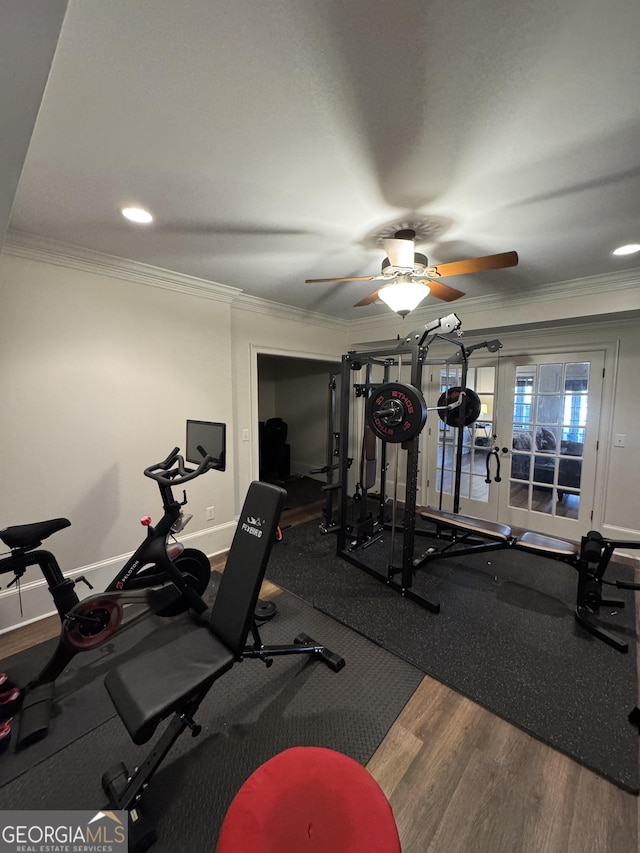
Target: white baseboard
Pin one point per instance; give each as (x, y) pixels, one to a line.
(627, 558)
(630, 557)
(36, 600)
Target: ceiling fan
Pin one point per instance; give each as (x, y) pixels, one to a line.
(409, 279)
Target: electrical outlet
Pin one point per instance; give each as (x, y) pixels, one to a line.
(211, 513)
(245, 435)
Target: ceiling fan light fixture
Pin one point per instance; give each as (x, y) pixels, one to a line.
(403, 296)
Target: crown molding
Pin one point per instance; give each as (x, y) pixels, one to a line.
(578, 288)
(245, 302)
(31, 247)
(34, 248)
(47, 251)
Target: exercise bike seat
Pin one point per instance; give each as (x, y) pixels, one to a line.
(28, 536)
(147, 688)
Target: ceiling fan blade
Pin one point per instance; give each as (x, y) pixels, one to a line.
(368, 300)
(488, 262)
(399, 252)
(356, 278)
(442, 291)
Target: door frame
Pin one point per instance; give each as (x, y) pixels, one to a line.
(255, 351)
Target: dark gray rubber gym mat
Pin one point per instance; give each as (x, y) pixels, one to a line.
(505, 637)
(251, 714)
(75, 709)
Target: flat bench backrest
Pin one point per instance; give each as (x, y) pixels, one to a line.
(237, 595)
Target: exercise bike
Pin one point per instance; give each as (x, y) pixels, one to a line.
(161, 578)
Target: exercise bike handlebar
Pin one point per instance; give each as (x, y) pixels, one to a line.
(166, 474)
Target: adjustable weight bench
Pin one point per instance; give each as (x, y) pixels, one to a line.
(590, 558)
(173, 680)
(494, 536)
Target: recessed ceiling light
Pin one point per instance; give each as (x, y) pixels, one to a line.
(629, 249)
(137, 214)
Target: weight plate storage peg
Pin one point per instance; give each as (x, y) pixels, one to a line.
(396, 412)
(466, 413)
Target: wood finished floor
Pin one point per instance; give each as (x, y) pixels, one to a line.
(461, 780)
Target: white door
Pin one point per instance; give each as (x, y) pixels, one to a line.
(539, 418)
(547, 435)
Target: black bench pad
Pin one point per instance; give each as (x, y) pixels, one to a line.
(488, 529)
(151, 686)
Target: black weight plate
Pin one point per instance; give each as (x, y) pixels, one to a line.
(465, 414)
(396, 412)
(265, 610)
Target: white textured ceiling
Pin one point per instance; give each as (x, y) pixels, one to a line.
(274, 139)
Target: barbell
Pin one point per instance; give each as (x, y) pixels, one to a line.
(398, 412)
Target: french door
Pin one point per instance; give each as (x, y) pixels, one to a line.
(550, 424)
(529, 461)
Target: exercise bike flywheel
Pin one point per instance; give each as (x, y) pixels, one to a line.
(92, 622)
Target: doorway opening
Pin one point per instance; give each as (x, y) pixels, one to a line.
(292, 423)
